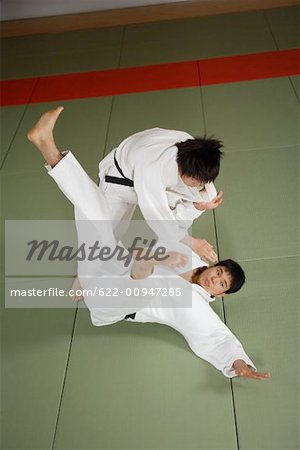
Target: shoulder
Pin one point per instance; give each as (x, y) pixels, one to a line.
(180, 135)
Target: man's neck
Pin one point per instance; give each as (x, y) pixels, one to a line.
(188, 276)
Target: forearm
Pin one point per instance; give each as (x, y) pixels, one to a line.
(222, 350)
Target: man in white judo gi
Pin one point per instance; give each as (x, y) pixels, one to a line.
(206, 334)
(170, 175)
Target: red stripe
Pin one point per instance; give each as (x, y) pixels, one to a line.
(17, 92)
(118, 81)
(250, 67)
(151, 78)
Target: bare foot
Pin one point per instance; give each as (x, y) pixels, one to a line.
(76, 289)
(41, 135)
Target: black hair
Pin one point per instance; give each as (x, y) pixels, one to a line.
(236, 272)
(199, 158)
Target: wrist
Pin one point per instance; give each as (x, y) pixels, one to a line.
(238, 362)
(196, 206)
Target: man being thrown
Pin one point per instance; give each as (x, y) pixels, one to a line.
(206, 334)
(170, 175)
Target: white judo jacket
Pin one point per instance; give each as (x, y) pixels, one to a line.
(93, 225)
(148, 158)
(206, 334)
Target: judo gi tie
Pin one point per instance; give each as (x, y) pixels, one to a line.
(130, 316)
(118, 180)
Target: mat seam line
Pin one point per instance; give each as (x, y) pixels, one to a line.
(64, 380)
(19, 123)
(113, 97)
(225, 321)
(278, 49)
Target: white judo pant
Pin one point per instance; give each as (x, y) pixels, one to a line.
(93, 223)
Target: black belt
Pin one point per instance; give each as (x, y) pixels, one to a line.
(117, 180)
(130, 316)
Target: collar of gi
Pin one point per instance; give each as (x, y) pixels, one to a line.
(204, 294)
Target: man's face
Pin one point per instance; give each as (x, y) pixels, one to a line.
(191, 182)
(215, 280)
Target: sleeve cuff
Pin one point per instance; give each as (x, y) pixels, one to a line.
(229, 371)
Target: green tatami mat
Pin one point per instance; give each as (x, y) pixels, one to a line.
(177, 109)
(203, 228)
(10, 118)
(33, 196)
(296, 84)
(259, 216)
(35, 346)
(284, 25)
(265, 317)
(51, 54)
(62, 42)
(81, 128)
(192, 39)
(253, 114)
(139, 386)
